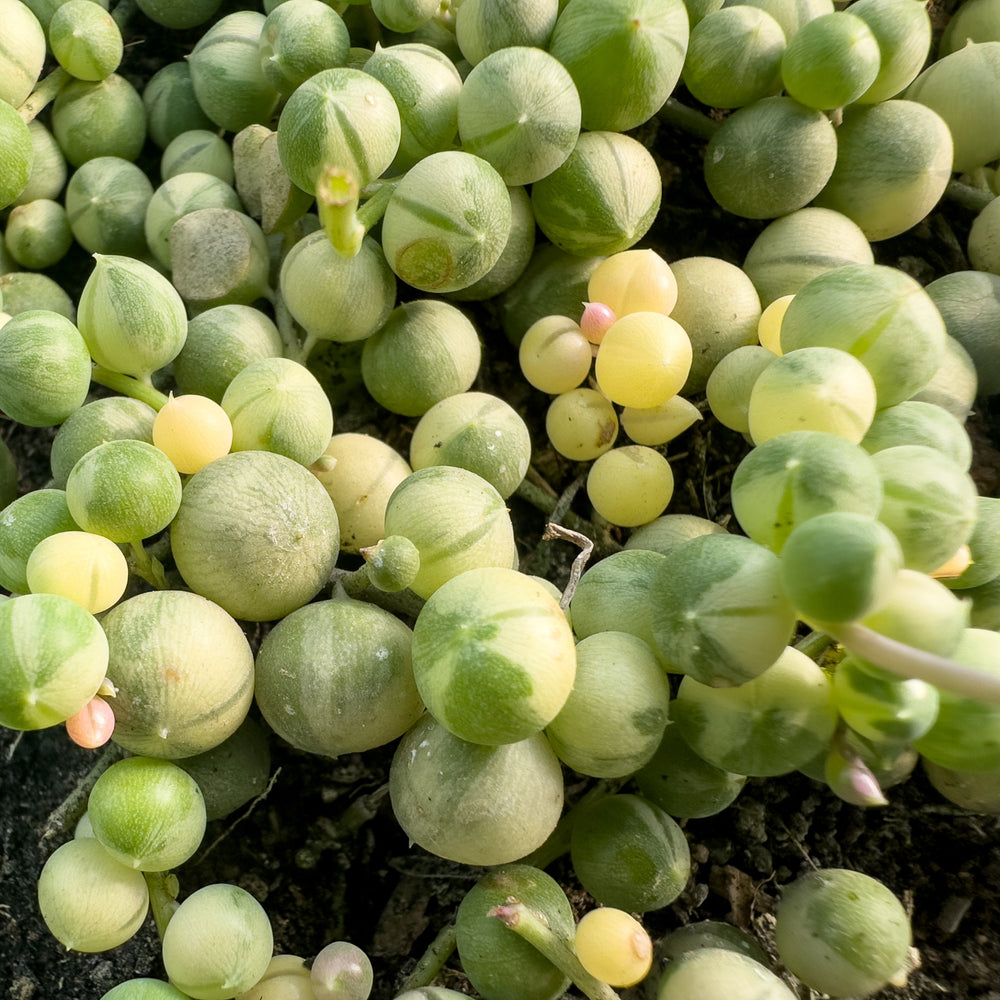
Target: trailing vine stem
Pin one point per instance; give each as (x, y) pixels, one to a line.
(968, 196)
(432, 961)
(163, 890)
(43, 95)
(144, 391)
(147, 566)
(687, 119)
(531, 925)
(69, 811)
(536, 491)
(910, 662)
(558, 841)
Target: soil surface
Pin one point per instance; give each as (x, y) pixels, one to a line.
(321, 849)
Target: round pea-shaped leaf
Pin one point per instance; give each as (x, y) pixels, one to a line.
(475, 431)
(218, 943)
(148, 813)
(719, 611)
(221, 342)
(256, 533)
(640, 44)
(916, 422)
(94, 423)
(475, 532)
(226, 73)
(426, 351)
(831, 61)
(475, 804)
(99, 118)
(603, 197)
(500, 964)
(23, 524)
(53, 658)
(483, 27)
(883, 708)
(22, 52)
(16, 154)
(106, 201)
(965, 736)
(789, 478)
(184, 673)
(89, 901)
(815, 388)
(734, 57)
(299, 40)
(718, 973)
(340, 117)
(929, 502)
(770, 158)
(278, 405)
(684, 785)
(894, 161)
(796, 247)
(85, 39)
(126, 490)
(724, 725)
(366, 472)
(838, 566)
(880, 315)
(44, 368)
(426, 87)
(519, 110)
(336, 677)
(842, 932)
(87, 568)
(447, 222)
(493, 655)
(131, 317)
(629, 853)
(615, 715)
(333, 297)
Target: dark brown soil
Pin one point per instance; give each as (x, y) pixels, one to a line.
(322, 876)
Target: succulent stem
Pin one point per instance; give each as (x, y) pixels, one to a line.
(44, 94)
(404, 603)
(814, 644)
(531, 925)
(432, 961)
(129, 386)
(305, 349)
(146, 566)
(69, 811)
(337, 198)
(356, 582)
(558, 841)
(286, 327)
(546, 502)
(973, 198)
(163, 888)
(687, 119)
(907, 661)
(374, 208)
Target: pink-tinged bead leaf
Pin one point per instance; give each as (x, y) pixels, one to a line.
(93, 725)
(596, 320)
